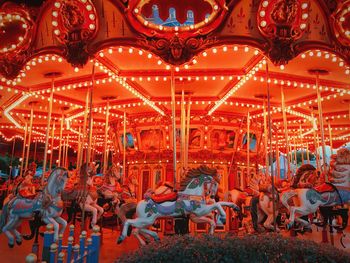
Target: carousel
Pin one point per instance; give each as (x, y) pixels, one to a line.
(153, 118)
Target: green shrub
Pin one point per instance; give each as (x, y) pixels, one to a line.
(252, 248)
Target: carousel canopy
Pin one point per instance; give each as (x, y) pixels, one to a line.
(225, 57)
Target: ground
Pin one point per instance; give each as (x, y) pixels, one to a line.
(111, 251)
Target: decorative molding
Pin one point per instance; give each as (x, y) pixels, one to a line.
(75, 23)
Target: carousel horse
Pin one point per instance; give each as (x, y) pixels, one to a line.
(325, 194)
(165, 188)
(128, 199)
(85, 198)
(48, 204)
(109, 188)
(304, 177)
(194, 188)
(25, 185)
(244, 200)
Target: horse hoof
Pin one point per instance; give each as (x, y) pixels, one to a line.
(11, 245)
(19, 242)
(129, 230)
(120, 240)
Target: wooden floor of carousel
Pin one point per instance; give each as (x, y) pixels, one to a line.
(110, 251)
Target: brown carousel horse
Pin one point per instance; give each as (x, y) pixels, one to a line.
(82, 197)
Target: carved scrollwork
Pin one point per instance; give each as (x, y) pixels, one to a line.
(176, 50)
(10, 67)
(341, 22)
(282, 22)
(75, 24)
(281, 51)
(16, 34)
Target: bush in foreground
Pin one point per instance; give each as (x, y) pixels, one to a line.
(252, 248)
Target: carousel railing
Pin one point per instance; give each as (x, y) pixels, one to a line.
(85, 250)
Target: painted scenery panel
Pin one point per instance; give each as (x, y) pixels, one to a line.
(151, 139)
(222, 139)
(130, 142)
(252, 142)
(195, 138)
(194, 141)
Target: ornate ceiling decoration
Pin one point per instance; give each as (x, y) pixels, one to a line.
(74, 24)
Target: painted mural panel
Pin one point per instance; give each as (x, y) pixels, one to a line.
(151, 139)
(222, 139)
(130, 142)
(252, 142)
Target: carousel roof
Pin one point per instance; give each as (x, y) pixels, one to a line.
(223, 60)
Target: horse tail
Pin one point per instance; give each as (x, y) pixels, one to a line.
(3, 217)
(286, 196)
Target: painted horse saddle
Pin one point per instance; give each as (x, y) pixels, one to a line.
(161, 198)
(26, 193)
(323, 188)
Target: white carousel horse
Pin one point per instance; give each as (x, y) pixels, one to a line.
(127, 198)
(166, 188)
(310, 199)
(189, 200)
(48, 204)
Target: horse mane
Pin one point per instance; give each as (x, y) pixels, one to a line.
(196, 172)
(343, 156)
(302, 169)
(56, 170)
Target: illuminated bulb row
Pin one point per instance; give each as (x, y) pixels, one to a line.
(12, 106)
(9, 89)
(310, 102)
(124, 84)
(12, 138)
(225, 49)
(326, 55)
(180, 78)
(132, 51)
(241, 82)
(39, 116)
(303, 85)
(30, 64)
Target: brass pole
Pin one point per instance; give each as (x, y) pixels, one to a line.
(248, 147)
(24, 148)
(320, 116)
(172, 84)
(105, 160)
(60, 144)
(285, 126)
(124, 147)
(47, 131)
(52, 141)
(29, 135)
(270, 143)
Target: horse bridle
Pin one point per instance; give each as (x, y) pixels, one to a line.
(212, 183)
